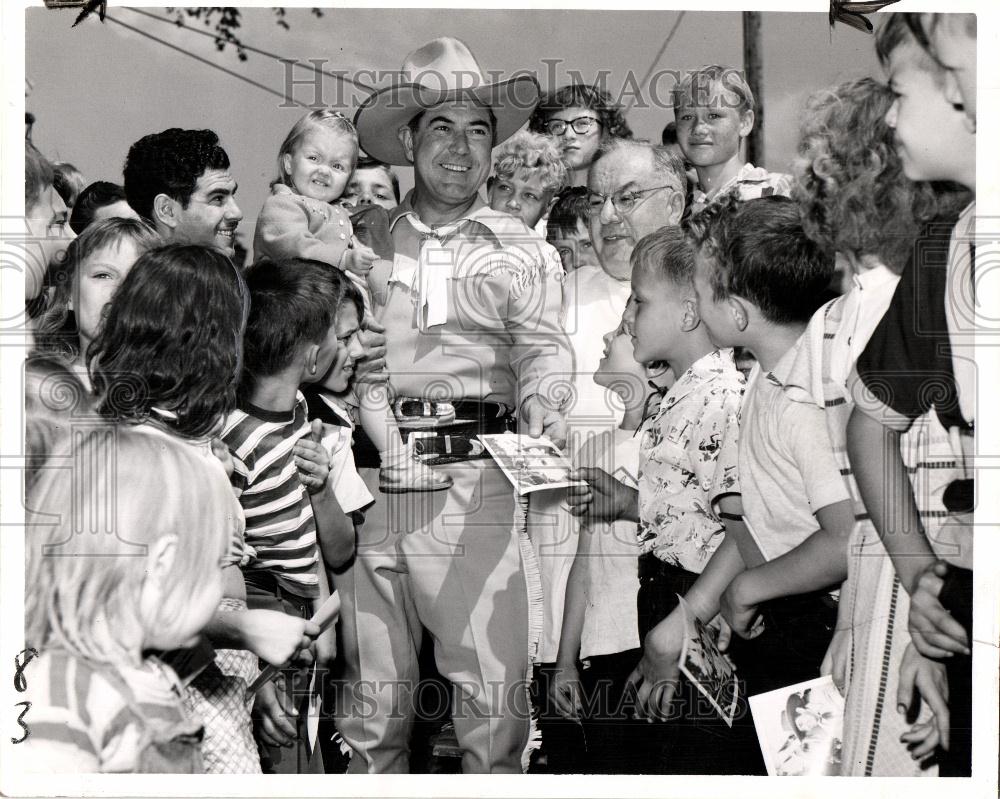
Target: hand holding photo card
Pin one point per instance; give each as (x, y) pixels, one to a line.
(800, 728)
(711, 671)
(531, 464)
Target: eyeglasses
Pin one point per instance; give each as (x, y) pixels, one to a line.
(623, 201)
(580, 125)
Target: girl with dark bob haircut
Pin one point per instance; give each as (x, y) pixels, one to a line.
(170, 350)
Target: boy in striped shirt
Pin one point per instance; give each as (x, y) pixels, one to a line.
(280, 475)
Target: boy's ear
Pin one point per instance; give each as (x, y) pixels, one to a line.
(312, 358)
(405, 136)
(746, 123)
(690, 318)
(739, 313)
(165, 210)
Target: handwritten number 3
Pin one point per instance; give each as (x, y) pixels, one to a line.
(20, 720)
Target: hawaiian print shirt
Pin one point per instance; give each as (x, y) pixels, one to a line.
(688, 457)
(751, 183)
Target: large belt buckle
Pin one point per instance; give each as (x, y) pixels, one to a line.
(420, 414)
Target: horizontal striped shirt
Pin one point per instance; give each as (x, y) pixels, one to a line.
(280, 528)
(87, 718)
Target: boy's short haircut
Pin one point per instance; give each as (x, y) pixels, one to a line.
(38, 175)
(170, 162)
(762, 255)
(367, 162)
(98, 194)
(569, 209)
(666, 254)
(531, 151)
(69, 182)
(292, 302)
(697, 86)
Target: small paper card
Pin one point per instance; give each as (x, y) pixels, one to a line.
(711, 671)
(531, 464)
(800, 728)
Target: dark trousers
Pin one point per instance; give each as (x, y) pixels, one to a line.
(605, 739)
(956, 597)
(694, 739)
(264, 592)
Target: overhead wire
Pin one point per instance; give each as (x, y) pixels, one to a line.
(658, 56)
(250, 48)
(205, 61)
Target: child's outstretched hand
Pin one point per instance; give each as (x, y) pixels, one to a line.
(603, 498)
(564, 691)
(311, 459)
(277, 638)
(358, 258)
(655, 678)
(923, 679)
(935, 632)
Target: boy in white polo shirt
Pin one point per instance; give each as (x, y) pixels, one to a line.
(758, 279)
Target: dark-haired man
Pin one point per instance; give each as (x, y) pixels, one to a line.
(179, 181)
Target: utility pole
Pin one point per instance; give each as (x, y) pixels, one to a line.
(753, 68)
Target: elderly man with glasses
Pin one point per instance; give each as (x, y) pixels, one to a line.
(634, 189)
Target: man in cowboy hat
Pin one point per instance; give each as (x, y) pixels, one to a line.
(471, 311)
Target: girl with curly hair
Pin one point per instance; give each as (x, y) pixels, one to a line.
(168, 362)
(582, 119)
(856, 201)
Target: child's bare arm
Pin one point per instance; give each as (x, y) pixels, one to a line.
(334, 528)
(565, 682)
(326, 643)
(818, 562)
(270, 634)
(885, 489)
(656, 675)
(725, 564)
(576, 603)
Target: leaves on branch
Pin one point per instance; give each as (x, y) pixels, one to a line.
(225, 22)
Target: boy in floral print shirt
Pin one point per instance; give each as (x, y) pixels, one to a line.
(688, 457)
(688, 490)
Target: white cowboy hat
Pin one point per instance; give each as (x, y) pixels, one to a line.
(443, 70)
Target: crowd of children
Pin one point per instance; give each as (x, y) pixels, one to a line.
(779, 447)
